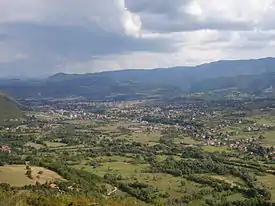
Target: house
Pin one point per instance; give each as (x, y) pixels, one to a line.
(53, 186)
(4, 148)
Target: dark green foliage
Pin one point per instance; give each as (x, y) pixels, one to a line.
(144, 84)
(142, 191)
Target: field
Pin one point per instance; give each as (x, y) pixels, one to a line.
(34, 145)
(215, 149)
(269, 181)
(174, 186)
(15, 175)
(123, 168)
(269, 138)
(54, 144)
(130, 173)
(263, 119)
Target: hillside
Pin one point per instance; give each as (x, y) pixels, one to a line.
(143, 84)
(258, 83)
(9, 108)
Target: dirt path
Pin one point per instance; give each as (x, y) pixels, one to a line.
(113, 191)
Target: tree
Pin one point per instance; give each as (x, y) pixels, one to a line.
(29, 174)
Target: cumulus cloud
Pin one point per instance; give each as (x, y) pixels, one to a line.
(182, 15)
(41, 37)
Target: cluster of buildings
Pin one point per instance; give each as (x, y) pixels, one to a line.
(5, 148)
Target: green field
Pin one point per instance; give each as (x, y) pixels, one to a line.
(54, 144)
(215, 149)
(34, 145)
(174, 186)
(269, 138)
(123, 168)
(229, 179)
(269, 181)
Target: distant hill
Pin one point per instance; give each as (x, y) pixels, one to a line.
(8, 108)
(141, 84)
(256, 83)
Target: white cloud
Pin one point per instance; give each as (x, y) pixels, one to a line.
(47, 36)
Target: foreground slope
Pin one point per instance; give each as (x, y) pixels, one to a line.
(8, 108)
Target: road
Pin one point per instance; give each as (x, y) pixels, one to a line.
(113, 191)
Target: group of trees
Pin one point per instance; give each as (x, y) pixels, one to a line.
(202, 164)
(142, 191)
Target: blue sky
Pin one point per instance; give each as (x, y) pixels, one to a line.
(43, 37)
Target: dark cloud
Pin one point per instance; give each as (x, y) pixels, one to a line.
(48, 46)
(39, 37)
(79, 42)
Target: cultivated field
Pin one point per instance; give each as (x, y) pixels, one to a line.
(15, 175)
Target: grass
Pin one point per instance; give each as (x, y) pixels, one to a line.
(196, 203)
(174, 186)
(146, 137)
(34, 145)
(161, 158)
(58, 147)
(237, 196)
(54, 144)
(269, 138)
(113, 159)
(215, 149)
(231, 129)
(269, 181)
(122, 168)
(266, 119)
(229, 179)
(15, 175)
(186, 140)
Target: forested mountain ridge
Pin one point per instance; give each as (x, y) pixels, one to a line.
(141, 84)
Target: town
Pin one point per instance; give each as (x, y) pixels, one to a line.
(180, 151)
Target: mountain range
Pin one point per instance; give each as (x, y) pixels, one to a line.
(253, 75)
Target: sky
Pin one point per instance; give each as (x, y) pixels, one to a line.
(43, 37)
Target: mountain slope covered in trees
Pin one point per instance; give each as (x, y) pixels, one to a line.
(142, 84)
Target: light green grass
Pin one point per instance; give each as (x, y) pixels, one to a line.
(161, 158)
(266, 119)
(54, 144)
(269, 138)
(215, 149)
(168, 183)
(145, 137)
(187, 140)
(269, 181)
(122, 168)
(34, 145)
(237, 196)
(112, 159)
(196, 203)
(229, 179)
